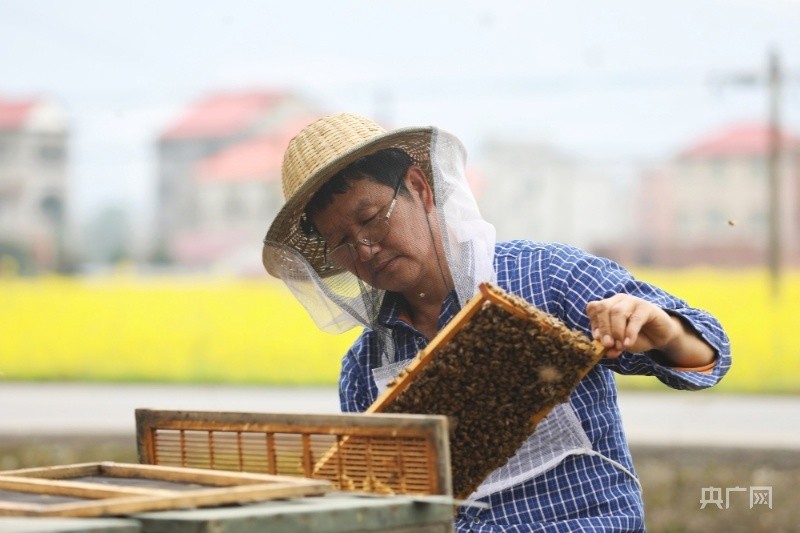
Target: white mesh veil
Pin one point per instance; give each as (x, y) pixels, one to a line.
(468, 239)
(338, 301)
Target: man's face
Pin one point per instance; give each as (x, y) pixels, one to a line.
(402, 257)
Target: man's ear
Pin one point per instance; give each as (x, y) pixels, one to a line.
(418, 184)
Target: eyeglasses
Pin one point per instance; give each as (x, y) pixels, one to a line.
(372, 232)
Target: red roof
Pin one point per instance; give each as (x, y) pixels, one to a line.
(738, 140)
(255, 159)
(222, 115)
(252, 159)
(14, 114)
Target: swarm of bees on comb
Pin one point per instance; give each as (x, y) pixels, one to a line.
(501, 371)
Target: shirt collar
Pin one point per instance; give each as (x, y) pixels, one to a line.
(393, 309)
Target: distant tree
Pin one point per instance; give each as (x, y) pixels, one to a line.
(14, 259)
(107, 236)
(161, 255)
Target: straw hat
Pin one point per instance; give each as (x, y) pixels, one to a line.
(319, 151)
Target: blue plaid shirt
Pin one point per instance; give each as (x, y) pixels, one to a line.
(584, 492)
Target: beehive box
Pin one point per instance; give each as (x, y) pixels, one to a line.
(384, 453)
(495, 371)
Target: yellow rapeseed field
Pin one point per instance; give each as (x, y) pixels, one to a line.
(177, 330)
(126, 328)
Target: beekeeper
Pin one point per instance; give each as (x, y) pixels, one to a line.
(380, 230)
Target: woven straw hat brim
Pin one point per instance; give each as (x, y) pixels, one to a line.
(285, 229)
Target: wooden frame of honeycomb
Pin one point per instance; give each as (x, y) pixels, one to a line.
(495, 370)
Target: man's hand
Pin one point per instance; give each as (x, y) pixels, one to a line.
(627, 323)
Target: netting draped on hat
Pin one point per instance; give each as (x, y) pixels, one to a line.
(468, 239)
(339, 301)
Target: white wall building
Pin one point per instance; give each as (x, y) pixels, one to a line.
(33, 183)
(709, 204)
(238, 193)
(205, 129)
(531, 191)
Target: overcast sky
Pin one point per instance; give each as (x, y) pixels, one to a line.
(612, 79)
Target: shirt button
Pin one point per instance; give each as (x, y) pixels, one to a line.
(420, 342)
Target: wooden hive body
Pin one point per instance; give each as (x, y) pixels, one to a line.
(384, 454)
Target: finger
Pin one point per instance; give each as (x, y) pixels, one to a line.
(600, 320)
(618, 321)
(635, 323)
(597, 321)
(612, 353)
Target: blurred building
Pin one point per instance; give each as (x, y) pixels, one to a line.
(219, 172)
(709, 204)
(532, 191)
(33, 183)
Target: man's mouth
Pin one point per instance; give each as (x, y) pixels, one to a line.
(381, 265)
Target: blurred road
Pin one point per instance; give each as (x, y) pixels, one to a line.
(664, 418)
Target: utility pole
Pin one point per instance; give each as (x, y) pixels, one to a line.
(773, 81)
(774, 170)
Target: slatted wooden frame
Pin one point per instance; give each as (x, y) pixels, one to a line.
(485, 459)
(485, 296)
(382, 453)
(108, 488)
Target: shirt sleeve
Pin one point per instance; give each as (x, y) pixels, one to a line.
(353, 384)
(577, 278)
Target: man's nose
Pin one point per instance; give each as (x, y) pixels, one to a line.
(366, 251)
